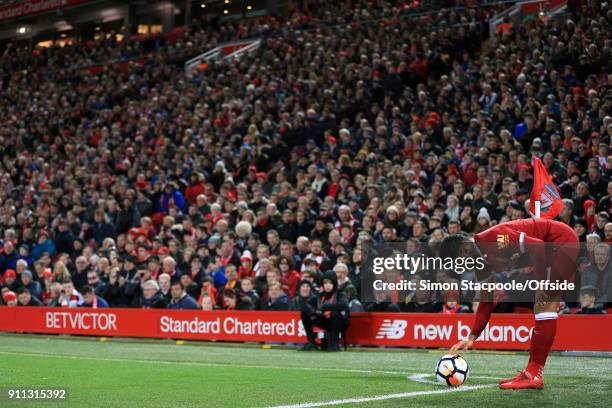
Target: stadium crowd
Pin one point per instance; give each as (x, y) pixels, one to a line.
(242, 186)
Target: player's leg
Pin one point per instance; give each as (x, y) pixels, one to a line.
(541, 343)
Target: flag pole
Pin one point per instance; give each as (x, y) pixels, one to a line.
(538, 203)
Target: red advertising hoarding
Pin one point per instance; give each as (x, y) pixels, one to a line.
(505, 331)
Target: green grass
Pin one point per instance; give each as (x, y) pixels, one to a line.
(163, 374)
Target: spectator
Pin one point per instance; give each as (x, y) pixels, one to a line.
(276, 299)
(164, 286)
(289, 277)
(69, 296)
(79, 277)
(33, 286)
(354, 303)
(247, 288)
(382, 303)
(152, 298)
(10, 280)
(9, 257)
(207, 303)
(305, 295)
(25, 298)
(331, 314)
(421, 303)
(451, 303)
(90, 299)
(599, 274)
(9, 298)
(180, 299)
(587, 301)
(190, 286)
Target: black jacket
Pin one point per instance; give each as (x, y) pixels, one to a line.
(156, 302)
(334, 301)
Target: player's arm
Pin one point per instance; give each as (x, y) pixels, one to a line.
(483, 314)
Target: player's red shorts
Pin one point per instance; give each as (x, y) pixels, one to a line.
(562, 248)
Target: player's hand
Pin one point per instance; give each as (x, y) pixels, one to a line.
(462, 345)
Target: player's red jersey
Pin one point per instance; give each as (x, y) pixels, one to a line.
(533, 230)
(533, 237)
(551, 245)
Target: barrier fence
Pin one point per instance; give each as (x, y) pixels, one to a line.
(505, 331)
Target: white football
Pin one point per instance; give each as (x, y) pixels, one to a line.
(452, 371)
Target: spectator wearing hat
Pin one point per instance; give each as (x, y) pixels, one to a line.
(483, 220)
(9, 298)
(581, 229)
(331, 314)
(46, 282)
(29, 283)
(10, 280)
(246, 265)
(305, 295)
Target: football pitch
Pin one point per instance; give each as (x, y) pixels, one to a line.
(120, 373)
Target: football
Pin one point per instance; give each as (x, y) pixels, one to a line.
(452, 371)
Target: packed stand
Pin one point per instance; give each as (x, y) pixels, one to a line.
(243, 186)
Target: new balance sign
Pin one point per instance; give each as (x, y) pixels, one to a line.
(392, 329)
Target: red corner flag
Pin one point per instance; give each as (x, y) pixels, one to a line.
(544, 191)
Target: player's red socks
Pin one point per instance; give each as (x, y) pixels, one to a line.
(541, 342)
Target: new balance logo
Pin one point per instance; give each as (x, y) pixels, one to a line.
(392, 329)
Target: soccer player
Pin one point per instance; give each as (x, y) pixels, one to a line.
(502, 245)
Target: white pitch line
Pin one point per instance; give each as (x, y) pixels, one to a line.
(422, 378)
(205, 364)
(383, 397)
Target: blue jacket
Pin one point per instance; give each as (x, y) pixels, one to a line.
(101, 303)
(179, 202)
(186, 302)
(282, 303)
(8, 261)
(40, 249)
(34, 288)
